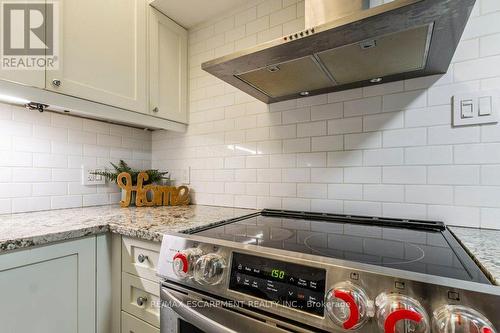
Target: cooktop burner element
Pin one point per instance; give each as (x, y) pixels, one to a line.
(416, 246)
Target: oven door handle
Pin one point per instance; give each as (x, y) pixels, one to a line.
(192, 316)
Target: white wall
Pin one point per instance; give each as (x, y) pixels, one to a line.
(41, 156)
(384, 150)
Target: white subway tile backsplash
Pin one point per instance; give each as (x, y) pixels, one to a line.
(327, 206)
(297, 145)
(20, 205)
(284, 15)
(477, 153)
(16, 190)
(29, 144)
(301, 175)
(31, 175)
(404, 175)
(345, 158)
(429, 194)
(311, 129)
(490, 218)
(403, 210)
(312, 191)
(383, 121)
(296, 116)
(405, 137)
(327, 143)
(490, 174)
(429, 155)
(363, 106)
(71, 201)
(327, 175)
(461, 216)
(390, 156)
(488, 6)
(363, 175)
(405, 100)
(383, 89)
(363, 208)
(363, 141)
(436, 115)
(46, 151)
(454, 175)
(477, 196)
(347, 125)
(345, 95)
(327, 111)
(345, 191)
(269, 175)
(391, 193)
(311, 160)
(283, 189)
(490, 133)
(283, 161)
(296, 204)
(451, 135)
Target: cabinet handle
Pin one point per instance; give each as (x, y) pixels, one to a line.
(56, 82)
(142, 258)
(156, 109)
(141, 300)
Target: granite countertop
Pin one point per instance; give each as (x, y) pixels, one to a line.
(37, 228)
(484, 246)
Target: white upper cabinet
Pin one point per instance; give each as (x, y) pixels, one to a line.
(103, 53)
(19, 63)
(167, 68)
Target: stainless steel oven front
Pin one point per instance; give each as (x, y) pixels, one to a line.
(187, 311)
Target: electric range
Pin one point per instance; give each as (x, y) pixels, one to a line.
(285, 271)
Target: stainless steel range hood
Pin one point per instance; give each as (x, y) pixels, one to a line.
(363, 42)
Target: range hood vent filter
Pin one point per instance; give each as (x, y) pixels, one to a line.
(363, 42)
(291, 77)
(396, 53)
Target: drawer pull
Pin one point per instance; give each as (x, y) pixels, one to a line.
(142, 258)
(141, 300)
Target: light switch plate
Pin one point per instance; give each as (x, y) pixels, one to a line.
(478, 115)
(90, 179)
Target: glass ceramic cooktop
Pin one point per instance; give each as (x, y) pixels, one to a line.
(423, 251)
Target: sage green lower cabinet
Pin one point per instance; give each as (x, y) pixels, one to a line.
(88, 285)
(49, 289)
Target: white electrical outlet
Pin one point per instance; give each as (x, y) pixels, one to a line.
(186, 176)
(88, 178)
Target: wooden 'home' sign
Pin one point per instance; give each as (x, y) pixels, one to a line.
(151, 195)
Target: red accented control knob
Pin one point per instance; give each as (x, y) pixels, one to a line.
(183, 262)
(460, 319)
(399, 314)
(348, 306)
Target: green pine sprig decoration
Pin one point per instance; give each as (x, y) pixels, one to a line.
(155, 175)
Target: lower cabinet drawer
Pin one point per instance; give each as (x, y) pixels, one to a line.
(130, 324)
(141, 298)
(140, 258)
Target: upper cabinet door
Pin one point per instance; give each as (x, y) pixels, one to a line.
(167, 68)
(103, 52)
(22, 58)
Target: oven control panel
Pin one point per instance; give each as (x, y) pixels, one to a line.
(351, 299)
(297, 286)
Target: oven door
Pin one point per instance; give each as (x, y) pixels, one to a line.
(184, 311)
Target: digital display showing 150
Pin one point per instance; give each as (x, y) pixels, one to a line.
(278, 274)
